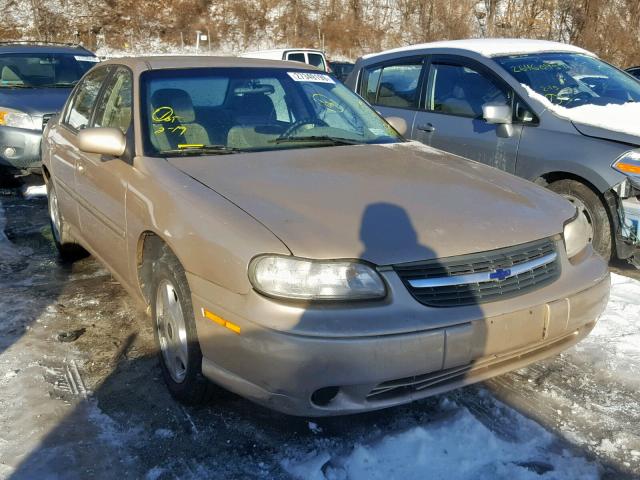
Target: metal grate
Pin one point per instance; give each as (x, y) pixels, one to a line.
(484, 277)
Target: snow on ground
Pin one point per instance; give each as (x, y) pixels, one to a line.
(620, 118)
(458, 446)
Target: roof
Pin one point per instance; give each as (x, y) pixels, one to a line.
(18, 47)
(203, 61)
(492, 47)
(282, 50)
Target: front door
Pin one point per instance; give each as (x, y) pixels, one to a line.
(450, 117)
(63, 143)
(393, 88)
(101, 181)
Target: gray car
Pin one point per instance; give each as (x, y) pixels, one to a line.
(552, 113)
(35, 81)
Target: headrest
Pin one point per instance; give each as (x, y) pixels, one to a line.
(176, 99)
(253, 105)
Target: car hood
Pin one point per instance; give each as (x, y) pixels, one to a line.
(35, 101)
(383, 203)
(599, 132)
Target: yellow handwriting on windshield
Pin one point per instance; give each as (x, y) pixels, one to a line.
(166, 115)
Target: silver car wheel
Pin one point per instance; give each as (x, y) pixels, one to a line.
(172, 331)
(584, 214)
(54, 214)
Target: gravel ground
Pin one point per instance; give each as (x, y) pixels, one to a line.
(95, 406)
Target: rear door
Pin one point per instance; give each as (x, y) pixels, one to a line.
(450, 116)
(63, 145)
(393, 87)
(102, 181)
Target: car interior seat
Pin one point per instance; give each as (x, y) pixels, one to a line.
(255, 119)
(174, 120)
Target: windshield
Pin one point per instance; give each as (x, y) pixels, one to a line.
(43, 70)
(571, 80)
(229, 110)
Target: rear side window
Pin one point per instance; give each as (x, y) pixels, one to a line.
(316, 60)
(81, 105)
(114, 109)
(393, 85)
(460, 90)
(296, 57)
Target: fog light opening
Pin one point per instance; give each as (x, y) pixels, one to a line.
(323, 396)
(9, 152)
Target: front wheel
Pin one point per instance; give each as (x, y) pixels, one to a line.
(592, 209)
(175, 332)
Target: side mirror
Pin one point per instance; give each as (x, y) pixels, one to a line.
(103, 141)
(398, 123)
(497, 113)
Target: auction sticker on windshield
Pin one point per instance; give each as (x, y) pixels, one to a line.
(86, 58)
(310, 77)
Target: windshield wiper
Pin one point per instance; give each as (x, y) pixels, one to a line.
(59, 85)
(317, 138)
(186, 150)
(3, 85)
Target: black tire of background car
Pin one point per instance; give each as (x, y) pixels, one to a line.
(68, 249)
(195, 389)
(602, 235)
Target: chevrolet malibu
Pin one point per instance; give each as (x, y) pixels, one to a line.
(290, 246)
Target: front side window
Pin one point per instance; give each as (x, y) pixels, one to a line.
(261, 109)
(393, 85)
(460, 90)
(572, 79)
(81, 104)
(114, 109)
(43, 70)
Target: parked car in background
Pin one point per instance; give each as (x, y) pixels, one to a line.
(341, 69)
(293, 248)
(315, 58)
(635, 71)
(35, 81)
(549, 112)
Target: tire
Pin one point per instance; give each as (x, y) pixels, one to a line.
(175, 332)
(589, 204)
(67, 248)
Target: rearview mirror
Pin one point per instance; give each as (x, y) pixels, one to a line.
(496, 113)
(102, 140)
(398, 123)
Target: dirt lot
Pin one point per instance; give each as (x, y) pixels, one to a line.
(95, 406)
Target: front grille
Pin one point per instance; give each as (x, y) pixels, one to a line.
(482, 277)
(45, 119)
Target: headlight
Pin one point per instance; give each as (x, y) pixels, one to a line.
(576, 235)
(299, 278)
(15, 118)
(628, 163)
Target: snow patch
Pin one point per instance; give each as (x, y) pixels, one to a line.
(620, 118)
(493, 47)
(459, 446)
(35, 191)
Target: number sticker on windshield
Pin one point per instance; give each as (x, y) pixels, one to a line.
(84, 58)
(310, 77)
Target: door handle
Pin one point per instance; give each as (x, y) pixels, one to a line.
(426, 127)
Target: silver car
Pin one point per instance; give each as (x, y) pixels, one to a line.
(545, 111)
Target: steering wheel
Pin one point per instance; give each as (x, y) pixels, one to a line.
(295, 126)
(580, 98)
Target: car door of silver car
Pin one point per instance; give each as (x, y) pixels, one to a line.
(101, 180)
(393, 87)
(451, 113)
(62, 140)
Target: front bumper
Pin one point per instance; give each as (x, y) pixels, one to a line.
(20, 148)
(331, 372)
